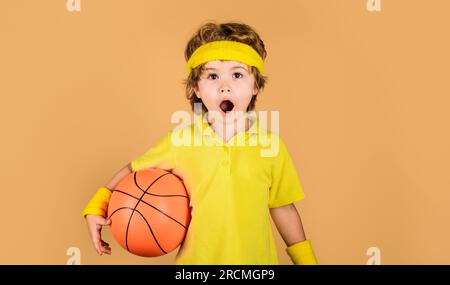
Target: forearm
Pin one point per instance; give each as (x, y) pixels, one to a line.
(119, 176)
(288, 223)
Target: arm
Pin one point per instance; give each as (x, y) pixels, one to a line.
(98, 205)
(119, 176)
(290, 227)
(288, 223)
(96, 210)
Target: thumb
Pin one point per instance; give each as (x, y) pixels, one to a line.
(104, 222)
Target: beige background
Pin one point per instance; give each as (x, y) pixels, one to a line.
(363, 99)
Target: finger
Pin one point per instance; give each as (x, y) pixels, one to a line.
(106, 250)
(98, 247)
(102, 222)
(105, 245)
(96, 241)
(95, 238)
(101, 245)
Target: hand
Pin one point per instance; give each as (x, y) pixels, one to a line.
(95, 224)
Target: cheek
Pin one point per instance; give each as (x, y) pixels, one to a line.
(206, 87)
(245, 90)
(248, 98)
(203, 89)
(207, 93)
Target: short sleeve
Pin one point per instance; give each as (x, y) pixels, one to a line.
(286, 187)
(162, 155)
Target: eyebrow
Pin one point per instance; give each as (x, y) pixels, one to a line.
(234, 67)
(238, 66)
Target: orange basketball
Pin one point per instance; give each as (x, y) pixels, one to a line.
(149, 212)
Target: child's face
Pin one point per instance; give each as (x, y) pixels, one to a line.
(226, 86)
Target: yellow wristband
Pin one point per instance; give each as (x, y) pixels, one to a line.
(98, 205)
(302, 253)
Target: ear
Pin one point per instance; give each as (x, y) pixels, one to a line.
(255, 91)
(196, 92)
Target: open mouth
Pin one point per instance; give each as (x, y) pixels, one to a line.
(226, 106)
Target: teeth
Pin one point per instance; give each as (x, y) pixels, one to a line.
(226, 106)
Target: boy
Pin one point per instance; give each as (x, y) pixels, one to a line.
(233, 189)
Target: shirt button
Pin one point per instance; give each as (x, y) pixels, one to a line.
(225, 162)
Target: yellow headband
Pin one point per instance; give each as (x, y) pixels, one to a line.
(225, 50)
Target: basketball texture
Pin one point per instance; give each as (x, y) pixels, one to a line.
(149, 212)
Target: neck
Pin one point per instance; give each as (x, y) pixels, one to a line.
(226, 130)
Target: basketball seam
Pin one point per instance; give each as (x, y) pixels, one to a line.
(175, 220)
(137, 203)
(150, 228)
(158, 194)
(166, 172)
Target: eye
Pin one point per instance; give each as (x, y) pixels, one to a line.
(213, 76)
(237, 75)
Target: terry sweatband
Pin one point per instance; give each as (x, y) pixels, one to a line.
(225, 50)
(302, 253)
(98, 205)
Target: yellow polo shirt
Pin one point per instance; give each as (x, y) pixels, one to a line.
(231, 186)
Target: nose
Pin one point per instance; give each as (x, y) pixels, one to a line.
(225, 88)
